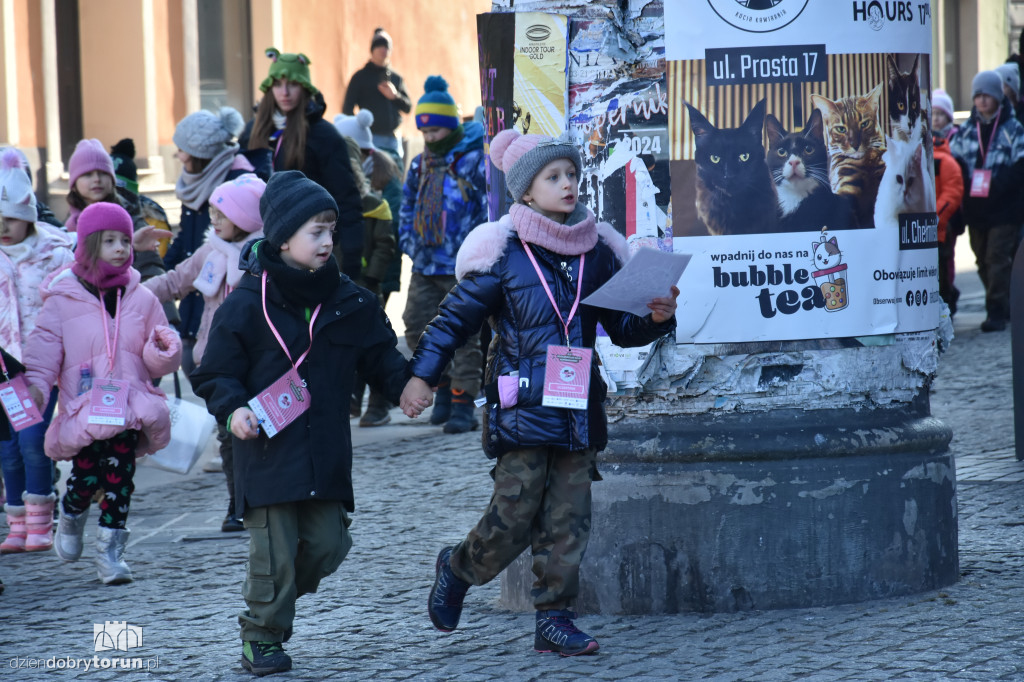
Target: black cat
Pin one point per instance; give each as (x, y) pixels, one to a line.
(904, 100)
(799, 168)
(735, 194)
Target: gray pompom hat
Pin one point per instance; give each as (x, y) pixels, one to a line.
(204, 134)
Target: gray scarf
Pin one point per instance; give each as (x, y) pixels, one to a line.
(194, 189)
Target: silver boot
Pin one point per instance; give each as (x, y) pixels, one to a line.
(67, 543)
(110, 565)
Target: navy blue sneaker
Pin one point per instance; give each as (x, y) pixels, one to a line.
(445, 604)
(264, 658)
(556, 632)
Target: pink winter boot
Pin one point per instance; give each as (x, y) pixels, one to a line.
(15, 540)
(39, 521)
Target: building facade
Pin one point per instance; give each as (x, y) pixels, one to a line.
(112, 69)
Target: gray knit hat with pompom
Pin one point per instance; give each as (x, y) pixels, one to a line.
(204, 134)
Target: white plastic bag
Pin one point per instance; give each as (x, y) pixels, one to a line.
(191, 427)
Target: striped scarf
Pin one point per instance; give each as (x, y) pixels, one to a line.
(430, 221)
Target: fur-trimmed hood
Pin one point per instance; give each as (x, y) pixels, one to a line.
(487, 243)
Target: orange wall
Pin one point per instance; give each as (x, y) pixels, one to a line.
(430, 37)
(170, 67)
(29, 51)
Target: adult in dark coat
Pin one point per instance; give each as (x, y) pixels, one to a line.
(290, 122)
(381, 90)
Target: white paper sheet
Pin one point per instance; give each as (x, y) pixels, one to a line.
(649, 274)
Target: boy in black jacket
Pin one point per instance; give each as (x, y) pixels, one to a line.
(293, 317)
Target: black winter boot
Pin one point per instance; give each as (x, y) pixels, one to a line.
(463, 417)
(378, 411)
(442, 403)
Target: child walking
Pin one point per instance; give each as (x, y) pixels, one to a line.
(445, 197)
(29, 252)
(213, 271)
(102, 338)
(527, 273)
(296, 323)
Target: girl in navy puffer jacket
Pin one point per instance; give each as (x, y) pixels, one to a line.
(527, 274)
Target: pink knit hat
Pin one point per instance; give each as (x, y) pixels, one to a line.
(96, 218)
(89, 155)
(239, 200)
(521, 157)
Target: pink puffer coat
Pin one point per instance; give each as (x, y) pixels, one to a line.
(69, 334)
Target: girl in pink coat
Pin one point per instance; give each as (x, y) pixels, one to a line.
(213, 271)
(102, 338)
(29, 252)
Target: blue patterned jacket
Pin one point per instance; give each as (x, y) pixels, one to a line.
(1005, 159)
(464, 208)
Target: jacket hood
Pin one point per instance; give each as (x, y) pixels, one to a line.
(472, 138)
(248, 259)
(1006, 112)
(315, 108)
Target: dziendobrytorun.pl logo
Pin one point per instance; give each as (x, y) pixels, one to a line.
(107, 636)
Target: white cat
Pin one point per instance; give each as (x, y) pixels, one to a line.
(826, 254)
(906, 185)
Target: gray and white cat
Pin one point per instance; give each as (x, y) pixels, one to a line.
(906, 185)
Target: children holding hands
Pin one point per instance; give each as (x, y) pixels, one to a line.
(527, 273)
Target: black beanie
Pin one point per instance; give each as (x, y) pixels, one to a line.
(290, 200)
(380, 37)
(123, 156)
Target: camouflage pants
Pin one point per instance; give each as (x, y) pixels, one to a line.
(541, 500)
(425, 294)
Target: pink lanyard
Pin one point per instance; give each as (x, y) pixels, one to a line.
(277, 148)
(991, 139)
(3, 367)
(111, 349)
(547, 290)
(312, 321)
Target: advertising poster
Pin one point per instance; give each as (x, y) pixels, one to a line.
(618, 115)
(524, 82)
(801, 168)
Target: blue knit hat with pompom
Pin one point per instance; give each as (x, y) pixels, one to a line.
(436, 108)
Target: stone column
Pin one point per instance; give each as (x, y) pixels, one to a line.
(766, 475)
(51, 93)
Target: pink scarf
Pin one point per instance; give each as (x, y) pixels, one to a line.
(568, 239)
(102, 274)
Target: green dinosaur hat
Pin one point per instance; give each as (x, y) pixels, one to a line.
(293, 67)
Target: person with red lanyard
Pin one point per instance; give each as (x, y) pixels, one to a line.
(991, 145)
(527, 274)
(213, 271)
(102, 338)
(278, 369)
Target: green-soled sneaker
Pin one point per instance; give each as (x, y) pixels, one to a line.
(264, 658)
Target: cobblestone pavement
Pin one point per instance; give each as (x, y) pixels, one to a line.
(417, 489)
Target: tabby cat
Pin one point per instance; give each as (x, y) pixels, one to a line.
(799, 167)
(855, 146)
(904, 100)
(735, 193)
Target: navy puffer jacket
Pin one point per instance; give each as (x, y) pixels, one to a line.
(497, 282)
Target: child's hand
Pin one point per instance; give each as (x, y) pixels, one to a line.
(416, 397)
(664, 308)
(244, 424)
(37, 397)
(148, 238)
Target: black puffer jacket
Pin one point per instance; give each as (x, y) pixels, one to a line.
(498, 283)
(327, 165)
(311, 458)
